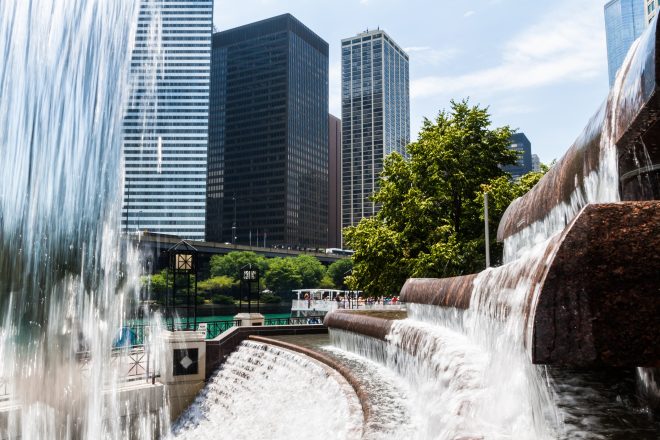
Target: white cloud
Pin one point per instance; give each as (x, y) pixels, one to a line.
(567, 45)
(469, 14)
(430, 56)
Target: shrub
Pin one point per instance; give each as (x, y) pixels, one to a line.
(223, 299)
(270, 298)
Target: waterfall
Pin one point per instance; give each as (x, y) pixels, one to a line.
(266, 392)
(66, 282)
(470, 371)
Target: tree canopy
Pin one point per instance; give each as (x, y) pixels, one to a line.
(310, 269)
(338, 270)
(430, 222)
(283, 275)
(230, 265)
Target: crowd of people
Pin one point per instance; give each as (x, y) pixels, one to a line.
(361, 301)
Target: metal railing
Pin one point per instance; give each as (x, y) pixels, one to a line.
(134, 360)
(215, 328)
(133, 363)
(328, 305)
(302, 320)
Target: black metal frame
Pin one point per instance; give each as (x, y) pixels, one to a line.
(249, 276)
(182, 258)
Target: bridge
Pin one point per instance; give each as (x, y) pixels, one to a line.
(153, 245)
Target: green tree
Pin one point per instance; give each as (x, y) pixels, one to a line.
(429, 223)
(230, 264)
(327, 283)
(283, 275)
(220, 285)
(338, 270)
(310, 269)
(223, 299)
(156, 283)
(502, 191)
(159, 283)
(269, 298)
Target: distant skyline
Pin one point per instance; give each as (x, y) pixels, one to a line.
(540, 66)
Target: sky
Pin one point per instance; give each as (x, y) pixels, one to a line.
(540, 66)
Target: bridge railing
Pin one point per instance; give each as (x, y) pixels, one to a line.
(135, 333)
(215, 328)
(133, 363)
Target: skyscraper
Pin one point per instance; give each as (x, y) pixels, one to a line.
(334, 180)
(625, 20)
(165, 127)
(536, 163)
(523, 146)
(268, 135)
(375, 116)
(651, 9)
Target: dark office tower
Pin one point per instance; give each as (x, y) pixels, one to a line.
(523, 146)
(375, 108)
(334, 178)
(268, 136)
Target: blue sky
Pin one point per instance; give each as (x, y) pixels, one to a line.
(541, 66)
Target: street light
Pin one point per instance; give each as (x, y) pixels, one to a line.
(233, 226)
(182, 263)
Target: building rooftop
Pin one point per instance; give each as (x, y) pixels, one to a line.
(370, 34)
(284, 22)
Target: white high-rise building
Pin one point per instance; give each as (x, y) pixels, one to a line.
(166, 123)
(375, 116)
(651, 8)
(536, 163)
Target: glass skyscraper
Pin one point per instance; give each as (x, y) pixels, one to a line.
(375, 116)
(651, 9)
(268, 136)
(166, 122)
(521, 145)
(625, 20)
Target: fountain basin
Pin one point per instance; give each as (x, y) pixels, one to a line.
(631, 120)
(598, 300)
(377, 328)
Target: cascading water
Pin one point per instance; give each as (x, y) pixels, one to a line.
(470, 371)
(65, 289)
(266, 392)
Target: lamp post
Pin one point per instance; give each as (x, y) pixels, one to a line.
(233, 226)
(249, 277)
(182, 263)
(486, 230)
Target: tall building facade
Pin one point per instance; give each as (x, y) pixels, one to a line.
(625, 20)
(523, 147)
(536, 163)
(268, 136)
(375, 116)
(334, 180)
(166, 122)
(651, 9)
